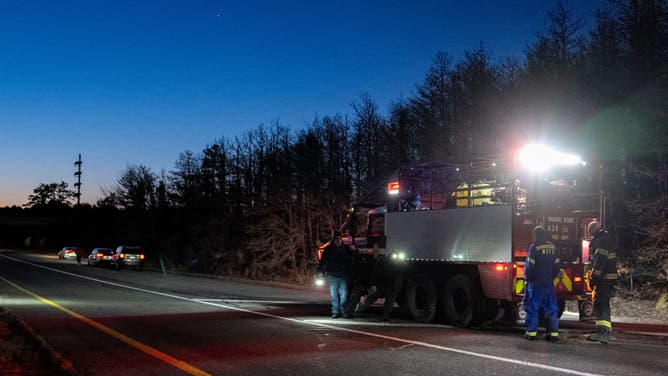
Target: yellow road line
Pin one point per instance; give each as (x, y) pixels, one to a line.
(119, 336)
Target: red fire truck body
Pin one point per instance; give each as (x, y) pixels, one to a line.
(461, 234)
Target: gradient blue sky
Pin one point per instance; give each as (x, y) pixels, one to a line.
(139, 82)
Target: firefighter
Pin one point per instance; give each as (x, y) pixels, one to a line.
(602, 278)
(336, 265)
(541, 268)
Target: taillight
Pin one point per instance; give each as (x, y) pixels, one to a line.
(141, 257)
(577, 279)
(122, 255)
(500, 267)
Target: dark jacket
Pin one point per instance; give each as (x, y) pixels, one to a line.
(542, 265)
(337, 261)
(603, 259)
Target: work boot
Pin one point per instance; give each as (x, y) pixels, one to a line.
(602, 335)
(552, 339)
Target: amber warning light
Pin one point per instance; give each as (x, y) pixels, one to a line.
(393, 188)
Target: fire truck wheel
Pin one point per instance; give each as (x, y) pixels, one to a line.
(586, 310)
(421, 299)
(461, 301)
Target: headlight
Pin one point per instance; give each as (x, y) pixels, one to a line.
(319, 282)
(399, 256)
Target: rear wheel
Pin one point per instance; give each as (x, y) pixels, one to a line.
(586, 310)
(421, 299)
(461, 301)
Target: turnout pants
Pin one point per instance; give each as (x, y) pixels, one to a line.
(602, 294)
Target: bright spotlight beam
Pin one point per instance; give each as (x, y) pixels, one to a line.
(539, 158)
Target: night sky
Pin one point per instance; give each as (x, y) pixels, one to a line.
(139, 82)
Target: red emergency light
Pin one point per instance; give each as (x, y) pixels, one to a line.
(393, 188)
(500, 267)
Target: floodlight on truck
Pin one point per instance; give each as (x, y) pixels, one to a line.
(539, 158)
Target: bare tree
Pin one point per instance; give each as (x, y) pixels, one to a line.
(136, 188)
(51, 195)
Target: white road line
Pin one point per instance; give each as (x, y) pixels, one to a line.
(322, 325)
(251, 301)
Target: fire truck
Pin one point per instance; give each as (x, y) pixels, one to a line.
(460, 232)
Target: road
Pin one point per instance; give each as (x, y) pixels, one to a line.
(147, 323)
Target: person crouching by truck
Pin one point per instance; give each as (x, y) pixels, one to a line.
(336, 265)
(362, 278)
(386, 282)
(541, 268)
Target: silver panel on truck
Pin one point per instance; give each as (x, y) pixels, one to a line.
(481, 234)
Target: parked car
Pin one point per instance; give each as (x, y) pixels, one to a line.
(70, 253)
(100, 256)
(128, 256)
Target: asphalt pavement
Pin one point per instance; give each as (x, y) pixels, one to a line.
(148, 323)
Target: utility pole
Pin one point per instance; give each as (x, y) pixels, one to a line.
(78, 183)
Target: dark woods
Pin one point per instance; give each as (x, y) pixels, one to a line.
(259, 204)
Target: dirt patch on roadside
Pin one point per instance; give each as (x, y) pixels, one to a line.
(640, 310)
(22, 352)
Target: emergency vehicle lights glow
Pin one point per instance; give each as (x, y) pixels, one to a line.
(539, 158)
(500, 267)
(393, 188)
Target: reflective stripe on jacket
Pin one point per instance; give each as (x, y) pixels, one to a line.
(604, 259)
(542, 265)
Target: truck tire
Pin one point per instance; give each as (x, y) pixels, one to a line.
(586, 310)
(421, 299)
(461, 301)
